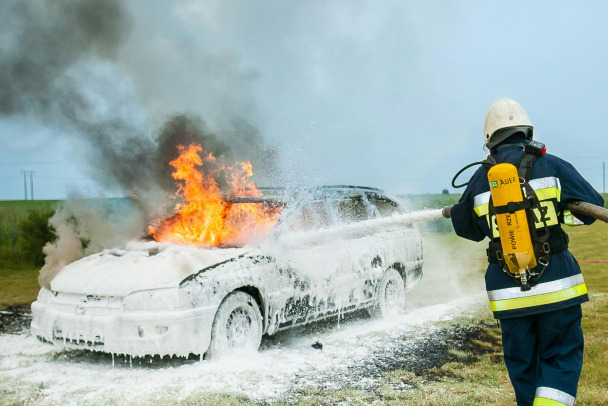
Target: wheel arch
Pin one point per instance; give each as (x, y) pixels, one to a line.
(400, 267)
(410, 273)
(256, 293)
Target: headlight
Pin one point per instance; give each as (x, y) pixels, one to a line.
(45, 296)
(154, 299)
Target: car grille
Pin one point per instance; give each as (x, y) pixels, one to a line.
(74, 339)
(80, 319)
(89, 304)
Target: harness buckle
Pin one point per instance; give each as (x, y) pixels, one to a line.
(499, 255)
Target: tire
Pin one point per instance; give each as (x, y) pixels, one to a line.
(237, 326)
(391, 293)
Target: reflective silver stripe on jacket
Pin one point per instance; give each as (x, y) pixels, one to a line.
(482, 198)
(541, 288)
(543, 183)
(536, 184)
(554, 394)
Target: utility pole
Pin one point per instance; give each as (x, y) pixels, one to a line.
(32, 184)
(604, 174)
(24, 173)
(29, 174)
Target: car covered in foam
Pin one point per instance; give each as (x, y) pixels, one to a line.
(334, 250)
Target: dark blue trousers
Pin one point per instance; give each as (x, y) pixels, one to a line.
(543, 350)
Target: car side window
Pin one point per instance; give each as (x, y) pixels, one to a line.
(384, 206)
(311, 216)
(353, 209)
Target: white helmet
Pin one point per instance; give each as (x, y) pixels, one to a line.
(505, 113)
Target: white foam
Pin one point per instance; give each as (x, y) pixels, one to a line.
(29, 366)
(143, 265)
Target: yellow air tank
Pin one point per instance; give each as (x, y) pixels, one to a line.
(513, 227)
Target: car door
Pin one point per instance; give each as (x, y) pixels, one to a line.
(365, 247)
(341, 259)
(320, 257)
(375, 246)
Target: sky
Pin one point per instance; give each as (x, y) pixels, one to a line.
(389, 94)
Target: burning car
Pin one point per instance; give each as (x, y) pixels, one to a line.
(328, 251)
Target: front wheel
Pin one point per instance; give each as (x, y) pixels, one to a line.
(391, 293)
(237, 326)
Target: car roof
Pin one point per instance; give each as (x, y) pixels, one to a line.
(285, 194)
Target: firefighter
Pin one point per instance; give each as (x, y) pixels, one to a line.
(541, 322)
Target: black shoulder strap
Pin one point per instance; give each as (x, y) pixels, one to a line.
(490, 161)
(532, 150)
(524, 169)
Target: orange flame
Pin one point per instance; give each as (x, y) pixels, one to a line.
(204, 218)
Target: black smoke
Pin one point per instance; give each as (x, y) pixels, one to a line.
(59, 65)
(42, 39)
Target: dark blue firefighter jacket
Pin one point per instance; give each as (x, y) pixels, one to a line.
(555, 181)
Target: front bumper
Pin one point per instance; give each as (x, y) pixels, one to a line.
(137, 333)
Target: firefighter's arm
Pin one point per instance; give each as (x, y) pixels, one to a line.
(464, 219)
(576, 189)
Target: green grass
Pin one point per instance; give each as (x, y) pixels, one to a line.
(18, 286)
(12, 212)
(18, 276)
(590, 243)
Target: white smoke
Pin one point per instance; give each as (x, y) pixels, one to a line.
(85, 227)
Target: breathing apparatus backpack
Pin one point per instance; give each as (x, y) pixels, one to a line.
(522, 252)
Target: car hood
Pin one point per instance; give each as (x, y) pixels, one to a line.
(142, 265)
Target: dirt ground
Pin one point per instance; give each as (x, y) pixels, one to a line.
(15, 319)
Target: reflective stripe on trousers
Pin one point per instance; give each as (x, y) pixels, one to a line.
(552, 397)
(541, 294)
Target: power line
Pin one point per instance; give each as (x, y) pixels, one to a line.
(32, 163)
(63, 178)
(49, 177)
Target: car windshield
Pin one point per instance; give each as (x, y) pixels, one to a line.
(324, 209)
(247, 220)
